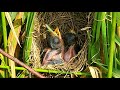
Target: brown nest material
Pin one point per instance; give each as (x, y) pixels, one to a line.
(65, 21)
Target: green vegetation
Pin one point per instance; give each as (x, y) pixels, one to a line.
(104, 46)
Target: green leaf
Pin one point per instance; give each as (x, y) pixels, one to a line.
(112, 45)
(95, 51)
(117, 62)
(0, 23)
(104, 38)
(28, 40)
(117, 40)
(118, 18)
(22, 75)
(99, 23)
(24, 17)
(13, 15)
(1, 35)
(94, 26)
(116, 73)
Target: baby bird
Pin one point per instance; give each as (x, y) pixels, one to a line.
(70, 41)
(51, 56)
(54, 54)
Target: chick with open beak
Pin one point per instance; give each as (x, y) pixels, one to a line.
(54, 54)
(70, 41)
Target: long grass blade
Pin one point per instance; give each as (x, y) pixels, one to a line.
(1, 30)
(112, 45)
(11, 26)
(109, 26)
(118, 34)
(96, 44)
(91, 42)
(2, 63)
(117, 40)
(49, 71)
(94, 27)
(104, 38)
(28, 40)
(4, 39)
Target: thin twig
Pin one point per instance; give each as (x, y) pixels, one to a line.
(22, 64)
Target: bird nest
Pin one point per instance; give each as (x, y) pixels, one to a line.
(65, 21)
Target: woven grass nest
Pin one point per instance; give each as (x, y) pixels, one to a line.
(65, 21)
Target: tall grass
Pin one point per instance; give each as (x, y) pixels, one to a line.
(14, 21)
(4, 39)
(112, 45)
(28, 38)
(107, 41)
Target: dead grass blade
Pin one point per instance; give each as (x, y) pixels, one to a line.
(12, 42)
(95, 72)
(11, 26)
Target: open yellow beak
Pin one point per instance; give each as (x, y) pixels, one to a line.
(57, 33)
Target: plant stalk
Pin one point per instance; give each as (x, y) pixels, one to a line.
(112, 45)
(4, 39)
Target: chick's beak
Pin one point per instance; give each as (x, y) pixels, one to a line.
(57, 33)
